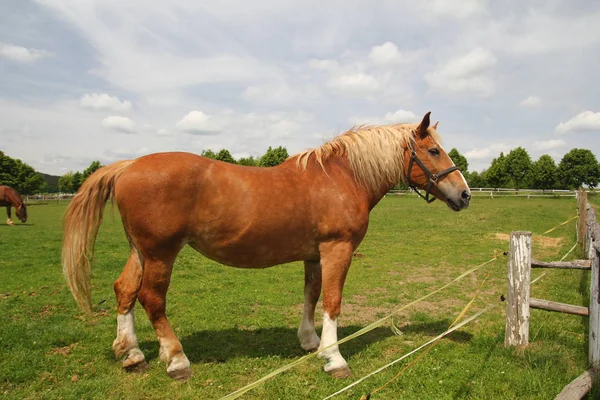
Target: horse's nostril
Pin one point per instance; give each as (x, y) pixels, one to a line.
(465, 195)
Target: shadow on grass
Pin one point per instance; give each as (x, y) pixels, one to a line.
(16, 225)
(465, 388)
(223, 345)
(434, 328)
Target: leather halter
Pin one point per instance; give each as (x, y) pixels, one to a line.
(433, 178)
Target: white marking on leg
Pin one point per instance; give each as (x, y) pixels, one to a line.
(328, 337)
(126, 340)
(126, 326)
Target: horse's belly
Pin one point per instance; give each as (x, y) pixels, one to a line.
(257, 252)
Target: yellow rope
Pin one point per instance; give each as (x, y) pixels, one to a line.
(558, 226)
(438, 337)
(432, 345)
(368, 328)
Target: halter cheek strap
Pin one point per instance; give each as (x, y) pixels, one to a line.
(433, 178)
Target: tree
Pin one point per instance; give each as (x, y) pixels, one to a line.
(476, 179)
(8, 171)
(65, 183)
(544, 173)
(94, 166)
(225, 155)
(496, 174)
(77, 181)
(518, 166)
(459, 160)
(18, 175)
(208, 153)
(273, 157)
(248, 161)
(579, 167)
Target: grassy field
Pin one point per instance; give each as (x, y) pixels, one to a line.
(238, 325)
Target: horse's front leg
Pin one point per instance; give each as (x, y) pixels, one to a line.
(309, 340)
(335, 261)
(9, 221)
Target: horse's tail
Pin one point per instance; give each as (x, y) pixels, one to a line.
(81, 223)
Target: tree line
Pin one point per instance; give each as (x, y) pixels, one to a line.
(515, 170)
(20, 176)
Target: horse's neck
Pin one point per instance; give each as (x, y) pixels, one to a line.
(371, 196)
(12, 197)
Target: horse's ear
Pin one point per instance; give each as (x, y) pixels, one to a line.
(422, 128)
(435, 125)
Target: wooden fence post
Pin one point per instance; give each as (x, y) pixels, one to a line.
(594, 330)
(517, 299)
(582, 220)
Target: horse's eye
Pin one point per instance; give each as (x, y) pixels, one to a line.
(434, 152)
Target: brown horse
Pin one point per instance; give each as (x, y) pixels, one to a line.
(313, 207)
(9, 197)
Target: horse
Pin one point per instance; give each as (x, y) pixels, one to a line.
(9, 197)
(314, 207)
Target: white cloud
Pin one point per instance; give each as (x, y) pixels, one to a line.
(467, 73)
(477, 154)
(548, 144)
(119, 124)
(401, 116)
(396, 117)
(104, 102)
(385, 54)
(460, 9)
(198, 123)
(585, 121)
(354, 83)
(22, 54)
(163, 132)
(325, 65)
(531, 101)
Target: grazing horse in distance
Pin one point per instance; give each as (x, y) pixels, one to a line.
(9, 197)
(314, 207)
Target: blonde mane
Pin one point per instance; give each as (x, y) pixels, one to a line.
(375, 153)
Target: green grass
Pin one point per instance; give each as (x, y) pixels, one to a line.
(238, 325)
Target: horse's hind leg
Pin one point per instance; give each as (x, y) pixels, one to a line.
(312, 289)
(153, 296)
(127, 287)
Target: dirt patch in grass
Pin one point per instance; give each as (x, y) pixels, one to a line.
(63, 351)
(543, 246)
(361, 315)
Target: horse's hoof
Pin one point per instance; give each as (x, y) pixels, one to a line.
(179, 368)
(340, 373)
(135, 362)
(180, 374)
(139, 367)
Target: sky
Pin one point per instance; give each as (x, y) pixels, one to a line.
(111, 80)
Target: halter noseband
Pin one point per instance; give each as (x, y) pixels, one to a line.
(433, 178)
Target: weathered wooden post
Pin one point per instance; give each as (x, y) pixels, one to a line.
(593, 232)
(582, 220)
(517, 299)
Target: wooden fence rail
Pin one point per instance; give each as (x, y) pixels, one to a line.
(519, 301)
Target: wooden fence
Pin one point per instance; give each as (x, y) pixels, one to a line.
(519, 301)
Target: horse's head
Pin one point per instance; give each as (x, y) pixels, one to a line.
(431, 169)
(22, 213)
